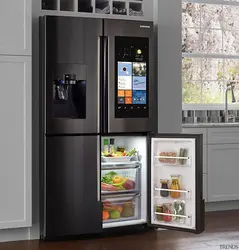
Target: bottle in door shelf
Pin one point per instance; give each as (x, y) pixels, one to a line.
(175, 185)
(167, 210)
(179, 209)
(164, 185)
(159, 209)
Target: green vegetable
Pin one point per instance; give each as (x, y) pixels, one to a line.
(132, 152)
(108, 178)
(114, 214)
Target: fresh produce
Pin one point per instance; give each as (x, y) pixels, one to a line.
(128, 209)
(119, 153)
(105, 215)
(128, 184)
(108, 178)
(118, 179)
(108, 187)
(114, 214)
(114, 182)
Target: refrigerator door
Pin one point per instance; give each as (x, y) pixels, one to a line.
(175, 182)
(72, 203)
(130, 82)
(70, 55)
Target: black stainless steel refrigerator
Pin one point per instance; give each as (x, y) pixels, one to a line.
(98, 84)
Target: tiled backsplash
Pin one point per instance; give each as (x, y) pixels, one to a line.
(205, 116)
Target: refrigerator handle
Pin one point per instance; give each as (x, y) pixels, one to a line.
(104, 65)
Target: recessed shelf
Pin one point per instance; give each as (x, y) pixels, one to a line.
(119, 8)
(102, 6)
(85, 6)
(67, 5)
(49, 4)
(135, 9)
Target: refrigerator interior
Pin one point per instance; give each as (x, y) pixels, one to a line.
(173, 163)
(124, 182)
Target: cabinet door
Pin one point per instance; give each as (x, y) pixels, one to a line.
(15, 143)
(15, 27)
(223, 172)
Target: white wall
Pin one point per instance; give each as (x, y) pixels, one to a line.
(168, 21)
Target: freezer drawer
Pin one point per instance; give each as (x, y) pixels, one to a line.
(72, 203)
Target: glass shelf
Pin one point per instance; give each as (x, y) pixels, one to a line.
(120, 165)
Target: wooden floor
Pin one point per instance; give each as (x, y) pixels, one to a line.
(222, 228)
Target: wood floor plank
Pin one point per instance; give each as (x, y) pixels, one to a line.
(222, 228)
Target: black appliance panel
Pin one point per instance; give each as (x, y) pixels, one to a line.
(71, 49)
(72, 189)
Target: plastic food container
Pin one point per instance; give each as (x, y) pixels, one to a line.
(116, 159)
(119, 180)
(120, 209)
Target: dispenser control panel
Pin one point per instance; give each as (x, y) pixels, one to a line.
(132, 84)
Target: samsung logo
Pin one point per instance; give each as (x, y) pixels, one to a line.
(145, 27)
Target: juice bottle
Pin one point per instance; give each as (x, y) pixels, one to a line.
(175, 186)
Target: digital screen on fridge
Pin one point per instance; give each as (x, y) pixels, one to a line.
(132, 83)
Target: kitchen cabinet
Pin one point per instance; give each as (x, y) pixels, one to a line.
(223, 172)
(15, 27)
(119, 9)
(15, 143)
(226, 135)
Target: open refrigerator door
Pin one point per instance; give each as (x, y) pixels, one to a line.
(175, 183)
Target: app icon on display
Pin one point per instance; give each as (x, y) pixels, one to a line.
(124, 75)
(128, 100)
(128, 93)
(120, 100)
(139, 82)
(139, 97)
(139, 69)
(120, 93)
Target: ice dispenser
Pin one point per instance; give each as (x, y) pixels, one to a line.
(69, 97)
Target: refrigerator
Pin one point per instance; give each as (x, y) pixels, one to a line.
(102, 164)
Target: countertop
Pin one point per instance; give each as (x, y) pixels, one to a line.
(206, 125)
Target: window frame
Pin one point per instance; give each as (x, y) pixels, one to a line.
(202, 106)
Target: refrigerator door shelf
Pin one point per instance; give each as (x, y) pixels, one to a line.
(131, 164)
(169, 148)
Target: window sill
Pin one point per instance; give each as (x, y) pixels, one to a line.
(209, 106)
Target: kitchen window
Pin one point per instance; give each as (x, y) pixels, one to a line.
(210, 52)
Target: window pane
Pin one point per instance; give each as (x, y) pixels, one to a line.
(191, 92)
(190, 40)
(211, 16)
(212, 69)
(231, 69)
(212, 41)
(191, 15)
(231, 42)
(212, 92)
(191, 68)
(231, 17)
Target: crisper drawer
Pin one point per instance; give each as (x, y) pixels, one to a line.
(121, 208)
(120, 180)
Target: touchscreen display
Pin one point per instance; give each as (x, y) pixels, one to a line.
(132, 83)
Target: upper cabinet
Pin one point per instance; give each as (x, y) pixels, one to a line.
(15, 27)
(120, 9)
